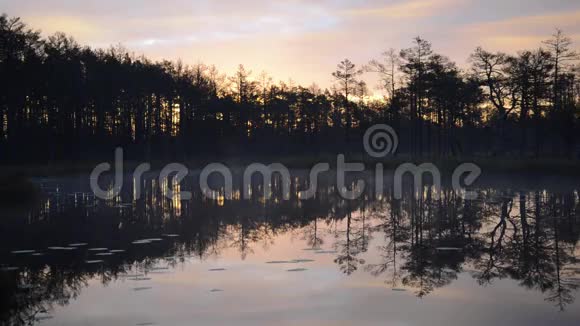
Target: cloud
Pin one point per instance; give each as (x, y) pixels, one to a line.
(408, 9)
(302, 39)
(82, 28)
(523, 32)
(530, 24)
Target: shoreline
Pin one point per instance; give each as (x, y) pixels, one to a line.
(551, 166)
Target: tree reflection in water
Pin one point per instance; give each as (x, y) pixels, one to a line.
(421, 243)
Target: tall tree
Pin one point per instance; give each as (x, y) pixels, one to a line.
(347, 75)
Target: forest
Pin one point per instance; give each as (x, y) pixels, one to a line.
(60, 100)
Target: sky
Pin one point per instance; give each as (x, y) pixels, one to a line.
(299, 39)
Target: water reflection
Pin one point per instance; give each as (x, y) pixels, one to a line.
(417, 244)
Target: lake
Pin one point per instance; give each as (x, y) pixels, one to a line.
(509, 257)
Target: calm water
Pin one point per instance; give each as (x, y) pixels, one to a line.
(509, 258)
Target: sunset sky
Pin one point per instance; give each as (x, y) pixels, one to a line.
(301, 39)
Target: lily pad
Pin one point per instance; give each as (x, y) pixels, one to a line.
(448, 249)
(80, 244)
(158, 268)
(61, 248)
(141, 242)
(151, 239)
(142, 288)
(302, 260)
(8, 269)
(26, 286)
(124, 205)
(132, 275)
(17, 252)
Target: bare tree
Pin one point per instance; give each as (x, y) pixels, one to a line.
(559, 46)
(387, 70)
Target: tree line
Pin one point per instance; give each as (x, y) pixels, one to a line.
(61, 100)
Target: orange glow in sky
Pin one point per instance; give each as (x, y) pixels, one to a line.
(302, 40)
